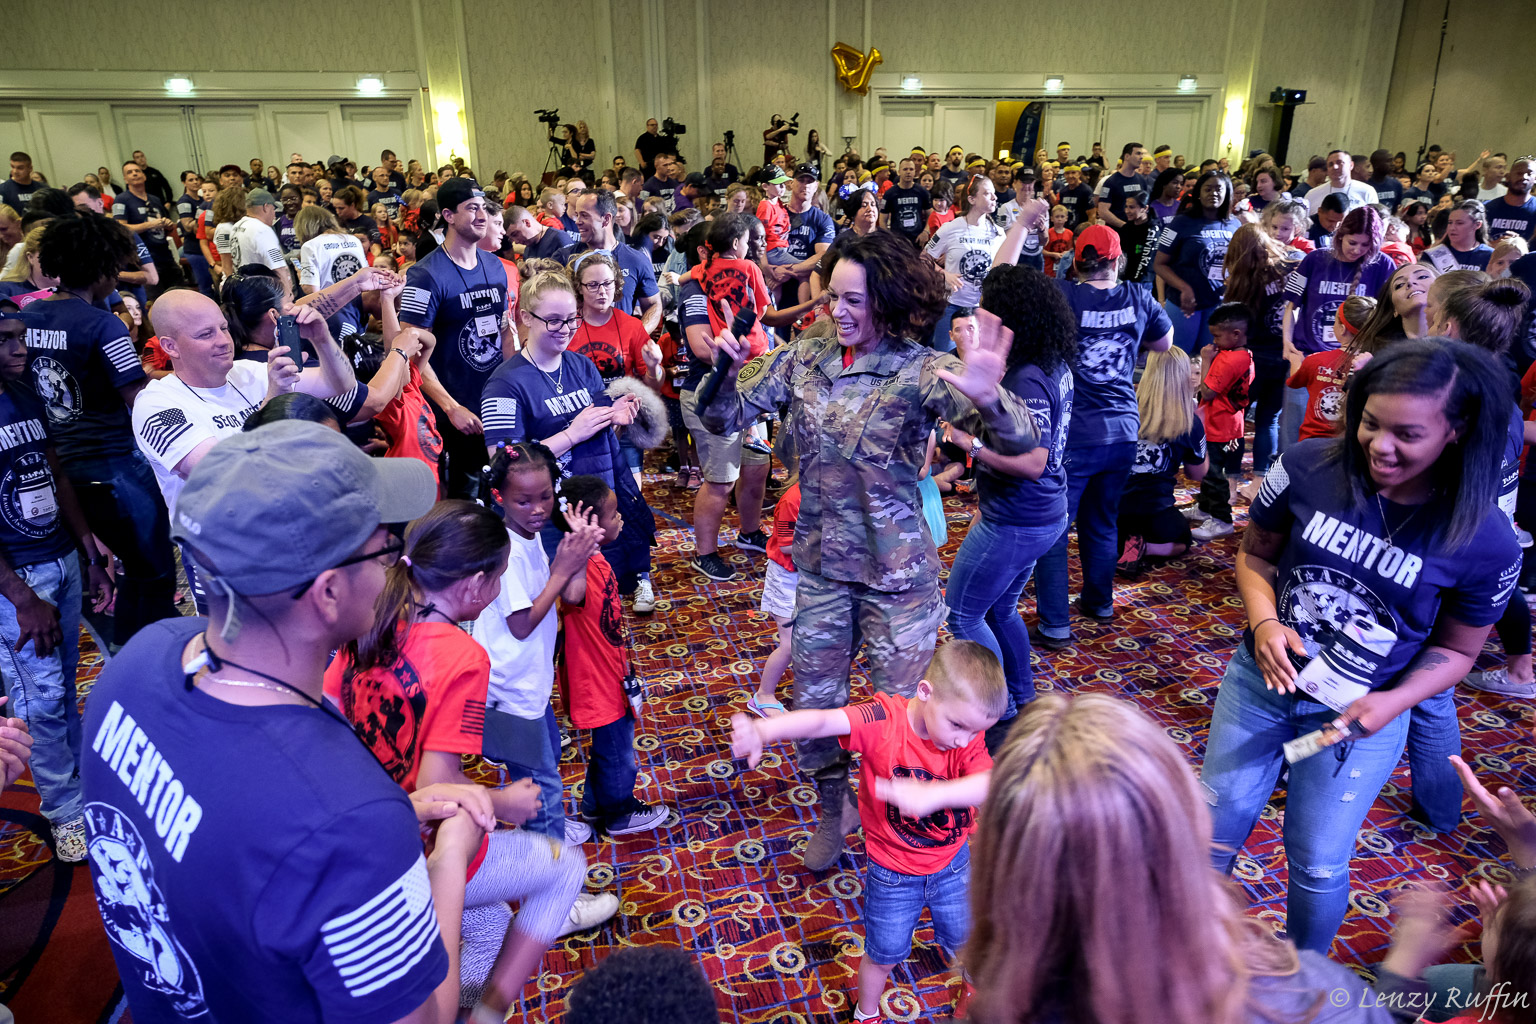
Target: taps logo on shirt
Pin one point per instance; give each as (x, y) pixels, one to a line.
(345, 266)
(26, 496)
(58, 389)
(944, 827)
(1106, 357)
(134, 910)
(1318, 600)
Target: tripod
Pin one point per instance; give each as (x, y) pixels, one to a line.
(555, 160)
(730, 150)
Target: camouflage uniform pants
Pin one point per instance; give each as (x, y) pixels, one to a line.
(832, 620)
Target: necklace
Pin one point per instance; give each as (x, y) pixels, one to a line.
(1383, 510)
(558, 383)
(256, 683)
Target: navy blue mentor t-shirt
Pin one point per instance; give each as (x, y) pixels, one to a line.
(280, 880)
(808, 229)
(523, 403)
(908, 209)
(1389, 191)
(130, 209)
(1339, 562)
(1318, 287)
(463, 309)
(1112, 324)
(77, 358)
(1013, 500)
(1114, 187)
(31, 529)
(1504, 219)
(1150, 486)
(547, 245)
(1197, 251)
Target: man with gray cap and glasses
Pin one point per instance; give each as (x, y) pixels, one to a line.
(253, 240)
(251, 858)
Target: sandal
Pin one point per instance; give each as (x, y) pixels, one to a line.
(760, 708)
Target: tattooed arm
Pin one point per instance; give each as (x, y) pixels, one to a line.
(329, 301)
(1448, 655)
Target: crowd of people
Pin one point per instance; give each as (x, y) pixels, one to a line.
(401, 563)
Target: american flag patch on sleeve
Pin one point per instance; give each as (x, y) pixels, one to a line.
(162, 429)
(414, 301)
(120, 353)
(868, 712)
(499, 417)
(382, 940)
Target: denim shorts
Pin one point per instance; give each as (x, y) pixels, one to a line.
(893, 902)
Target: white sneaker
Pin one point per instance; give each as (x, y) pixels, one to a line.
(1193, 514)
(1211, 529)
(1496, 680)
(577, 831)
(645, 598)
(69, 841)
(590, 910)
(1523, 537)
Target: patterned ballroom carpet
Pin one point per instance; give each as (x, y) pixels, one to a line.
(723, 880)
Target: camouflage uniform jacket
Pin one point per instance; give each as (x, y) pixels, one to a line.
(862, 438)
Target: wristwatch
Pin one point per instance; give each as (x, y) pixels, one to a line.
(100, 561)
(976, 447)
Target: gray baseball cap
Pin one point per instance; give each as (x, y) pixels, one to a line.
(259, 197)
(270, 510)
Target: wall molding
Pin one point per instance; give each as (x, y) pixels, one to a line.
(208, 86)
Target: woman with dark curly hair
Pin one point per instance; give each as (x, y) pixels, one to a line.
(861, 405)
(83, 366)
(1023, 497)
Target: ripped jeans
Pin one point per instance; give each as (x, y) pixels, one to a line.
(1326, 800)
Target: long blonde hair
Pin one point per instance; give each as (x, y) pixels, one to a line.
(1165, 397)
(22, 270)
(314, 221)
(1092, 894)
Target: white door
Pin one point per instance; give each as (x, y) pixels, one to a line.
(906, 125)
(309, 129)
(1179, 126)
(228, 135)
(1074, 121)
(161, 132)
(369, 130)
(1127, 121)
(963, 123)
(13, 133)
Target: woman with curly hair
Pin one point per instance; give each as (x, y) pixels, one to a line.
(861, 405)
(1023, 497)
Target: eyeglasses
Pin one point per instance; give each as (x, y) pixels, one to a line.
(568, 324)
(597, 286)
(386, 556)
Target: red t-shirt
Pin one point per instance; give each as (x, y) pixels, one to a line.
(1230, 373)
(514, 286)
(883, 735)
(775, 222)
(551, 221)
(782, 540)
(672, 372)
(1323, 375)
(937, 220)
(431, 698)
(412, 425)
(1401, 255)
(1301, 243)
(591, 671)
(614, 347)
(740, 283)
(1057, 242)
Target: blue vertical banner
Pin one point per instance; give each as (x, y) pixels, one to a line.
(1026, 134)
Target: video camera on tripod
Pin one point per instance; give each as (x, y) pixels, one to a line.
(793, 124)
(549, 117)
(672, 128)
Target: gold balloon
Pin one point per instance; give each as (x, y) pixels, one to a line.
(853, 67)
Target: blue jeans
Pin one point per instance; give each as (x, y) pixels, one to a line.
(1095, 477)
(894, 901)
(1190, 331)
(1433, 736)
(1326, 801)
(531, 750)
(1268, 394)
(123, 506)
(1293, 409)
(611, 771)
(985, 584)
(42, 690)
(201, 276)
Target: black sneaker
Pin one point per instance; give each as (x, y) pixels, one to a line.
(757, 540)
(715, 567)
(1049, 643)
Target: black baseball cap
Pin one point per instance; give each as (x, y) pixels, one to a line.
(455, 191)
(697, 181)
(805, 172)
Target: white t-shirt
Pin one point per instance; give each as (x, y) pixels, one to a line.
(251, 241)
(1358, 194)
(330, 259)
(1034, 239)
(966, 251)
(171, 418)
(522, 671)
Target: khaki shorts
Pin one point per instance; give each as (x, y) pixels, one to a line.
(721, 455)
(779, 593)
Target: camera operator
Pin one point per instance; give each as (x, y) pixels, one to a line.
(720, 173)
(652, 144)
(776, 137)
